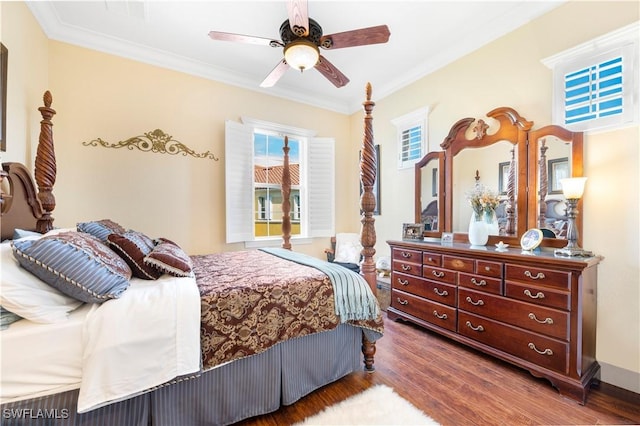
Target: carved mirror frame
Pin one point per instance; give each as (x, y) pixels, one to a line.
(513, 128)
(438, 158)
(538, 176)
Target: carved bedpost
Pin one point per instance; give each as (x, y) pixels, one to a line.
(368, 171)
(544, 184)
(45, 166)
(510, 228)
(286, 192)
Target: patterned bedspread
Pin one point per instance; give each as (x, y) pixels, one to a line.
(251, 300)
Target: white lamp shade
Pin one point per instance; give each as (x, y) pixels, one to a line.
(301, 54)
(573, 188)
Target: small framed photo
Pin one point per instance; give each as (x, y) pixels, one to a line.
(446, 238)
(531, 239)
(412, 231)
(557, 169)
(503, 177)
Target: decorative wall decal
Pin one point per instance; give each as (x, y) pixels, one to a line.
(154, 141)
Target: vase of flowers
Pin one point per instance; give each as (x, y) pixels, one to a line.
(483, 221)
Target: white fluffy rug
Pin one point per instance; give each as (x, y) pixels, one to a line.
(378, 405)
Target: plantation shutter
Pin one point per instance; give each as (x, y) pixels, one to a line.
(595, 91)
(239, 182)
(320, 185)
(411, 143)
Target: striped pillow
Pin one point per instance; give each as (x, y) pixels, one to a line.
(100, 228)
(76, 264)
(133, 246)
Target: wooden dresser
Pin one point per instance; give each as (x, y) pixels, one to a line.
(535, 310)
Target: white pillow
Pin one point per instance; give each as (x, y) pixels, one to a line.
(348, 248)
(26, 295)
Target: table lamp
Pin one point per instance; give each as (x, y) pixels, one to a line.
(572, 188)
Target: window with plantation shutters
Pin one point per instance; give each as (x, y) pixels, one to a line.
(253, 172)
(412, 130)
(596, 84)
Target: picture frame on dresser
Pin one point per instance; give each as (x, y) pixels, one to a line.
(412, 231)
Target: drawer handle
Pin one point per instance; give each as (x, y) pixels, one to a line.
(545, 352)
(544, 321)
(478, 328)
(480, 302)
(430, 259)
(478, 283)
(437, 274)
(539, 275)
(403, 282)
(443, 316)
(440, 293)
(403, 302)
(406, 254)
(540, 294)
(406, 267)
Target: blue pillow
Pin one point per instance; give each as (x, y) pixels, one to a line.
(21, 233)
(7, 318)
(100, 228)
(75, 263)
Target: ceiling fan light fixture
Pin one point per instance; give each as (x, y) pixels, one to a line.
(301, 54)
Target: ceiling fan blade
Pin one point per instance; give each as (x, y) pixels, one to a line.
(361, 37)
(218, 35)
(275, 74)
(298, 17)
(332, 73)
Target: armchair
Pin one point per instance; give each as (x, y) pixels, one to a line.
(345, 251)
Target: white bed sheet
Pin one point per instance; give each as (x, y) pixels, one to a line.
(41, 359)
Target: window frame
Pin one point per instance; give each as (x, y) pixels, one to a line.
(406, 123)
(622, 43)
(317, 176)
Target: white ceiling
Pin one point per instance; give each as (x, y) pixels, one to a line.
(425, 35)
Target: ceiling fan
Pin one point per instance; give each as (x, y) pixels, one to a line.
(301, 37)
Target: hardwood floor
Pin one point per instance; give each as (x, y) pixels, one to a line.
(456, 385)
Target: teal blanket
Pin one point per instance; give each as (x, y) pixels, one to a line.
(353, 297)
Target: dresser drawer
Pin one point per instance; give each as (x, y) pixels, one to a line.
(439, 274)
(431, 259)
(551, 322)
(434, 290)
(540, 350)
(433, 312)
(407, 267)
(490, 285)
(539, 295)
(458, 263)
(533, 275)
(489, 269)
(406, 255)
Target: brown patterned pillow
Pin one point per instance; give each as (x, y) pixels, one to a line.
(133, 246)
(168, 257)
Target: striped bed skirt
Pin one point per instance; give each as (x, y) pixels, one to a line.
(245, 388)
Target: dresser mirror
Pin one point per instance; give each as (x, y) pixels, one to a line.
(429, 190)
(482, 152)
(556, 154)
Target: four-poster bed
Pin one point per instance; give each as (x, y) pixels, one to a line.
(251, 364)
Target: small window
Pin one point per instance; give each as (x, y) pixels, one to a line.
(595, 85)
(412, 131)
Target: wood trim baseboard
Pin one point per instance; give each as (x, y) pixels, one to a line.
(619, 393)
